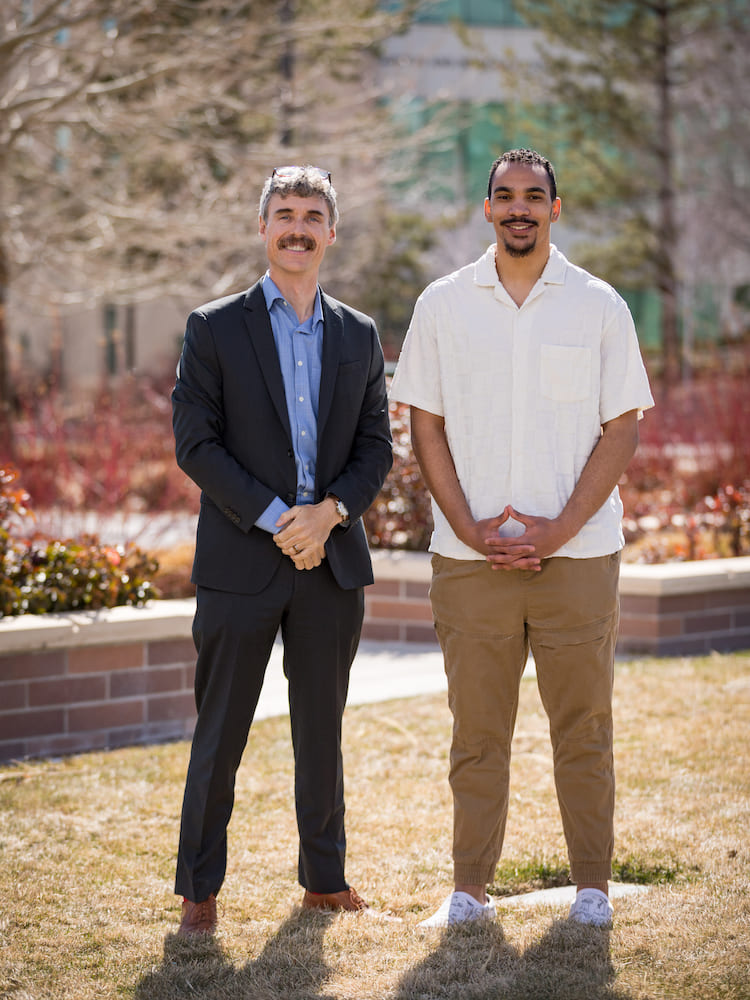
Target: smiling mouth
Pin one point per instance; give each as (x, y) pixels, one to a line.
(296, 245)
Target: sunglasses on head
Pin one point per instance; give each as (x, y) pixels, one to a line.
(288, 171)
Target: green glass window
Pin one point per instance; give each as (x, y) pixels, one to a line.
(499, 13)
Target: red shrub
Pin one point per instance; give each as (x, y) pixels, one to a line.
(113, 454)
(688, 486)
(686, 492)
(401, 517)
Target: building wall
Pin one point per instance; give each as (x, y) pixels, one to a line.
(444, 79)
(80, 349)
(449, 88)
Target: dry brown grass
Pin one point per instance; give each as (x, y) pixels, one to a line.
(87, 854)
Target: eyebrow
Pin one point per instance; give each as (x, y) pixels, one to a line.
(308, 211)
(529, 190)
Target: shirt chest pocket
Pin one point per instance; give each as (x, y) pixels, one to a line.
(565, 374)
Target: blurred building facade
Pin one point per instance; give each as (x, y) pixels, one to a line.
(79, 351)
(443, 78)
(450, 71)
(435, 83)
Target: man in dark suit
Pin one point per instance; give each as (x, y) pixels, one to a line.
(280, 416)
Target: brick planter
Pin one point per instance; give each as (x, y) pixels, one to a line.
(685, 608)
(74, 682)
(666, 610)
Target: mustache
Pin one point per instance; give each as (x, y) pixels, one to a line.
(303, 241)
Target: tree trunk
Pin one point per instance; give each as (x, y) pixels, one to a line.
(286, 71)
(666, 271)
(7, 442)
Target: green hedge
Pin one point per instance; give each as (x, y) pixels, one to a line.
(40, 574)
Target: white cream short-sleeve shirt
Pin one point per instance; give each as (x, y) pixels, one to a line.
(523, 391)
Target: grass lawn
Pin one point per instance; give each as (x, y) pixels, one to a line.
(87, 857)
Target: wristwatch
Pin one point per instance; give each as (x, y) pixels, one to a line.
(340, 508)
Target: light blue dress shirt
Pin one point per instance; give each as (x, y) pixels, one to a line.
(299, 346)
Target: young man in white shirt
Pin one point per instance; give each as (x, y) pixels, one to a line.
(525, 384)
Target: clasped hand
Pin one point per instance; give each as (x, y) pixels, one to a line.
(303, 533)
(543, 536)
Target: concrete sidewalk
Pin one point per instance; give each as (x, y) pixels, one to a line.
(380, 671)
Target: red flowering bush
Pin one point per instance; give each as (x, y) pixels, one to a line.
(401, 517)
(686, 492)
(113, 453)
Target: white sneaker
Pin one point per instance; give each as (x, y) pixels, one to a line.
(459, 908)
(591, 906)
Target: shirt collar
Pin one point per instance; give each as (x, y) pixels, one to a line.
(554, 271)
(272, 295)
(553, 274)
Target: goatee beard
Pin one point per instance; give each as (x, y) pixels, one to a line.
(519, 251)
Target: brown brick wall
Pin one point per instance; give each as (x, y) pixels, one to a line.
(398, 611)
(25, 665)
(93, 694)
(95, 697)
(685, 624)
(661, 624)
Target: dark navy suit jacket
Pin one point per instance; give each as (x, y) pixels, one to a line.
(233, 437)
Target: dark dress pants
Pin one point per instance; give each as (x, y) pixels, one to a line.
(234, 633)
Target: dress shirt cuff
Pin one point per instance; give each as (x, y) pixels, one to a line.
(269, 517)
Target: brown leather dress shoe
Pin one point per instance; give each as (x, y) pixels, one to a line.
(347, 899)
(198, 918)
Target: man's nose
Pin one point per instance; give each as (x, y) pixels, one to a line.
(519, 208)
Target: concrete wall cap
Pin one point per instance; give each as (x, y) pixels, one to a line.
(155, 621)
(702, 575)
(397, 564)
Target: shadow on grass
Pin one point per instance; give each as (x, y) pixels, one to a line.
(472, 962)
(291, 966)
(475, 962)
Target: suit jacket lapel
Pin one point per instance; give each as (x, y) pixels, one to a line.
(333, 335)
(258, 325)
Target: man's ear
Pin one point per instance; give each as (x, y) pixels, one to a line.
(487, 211)
(556, 208)
(261, 226)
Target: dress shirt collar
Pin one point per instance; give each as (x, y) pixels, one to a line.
(272, 295)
